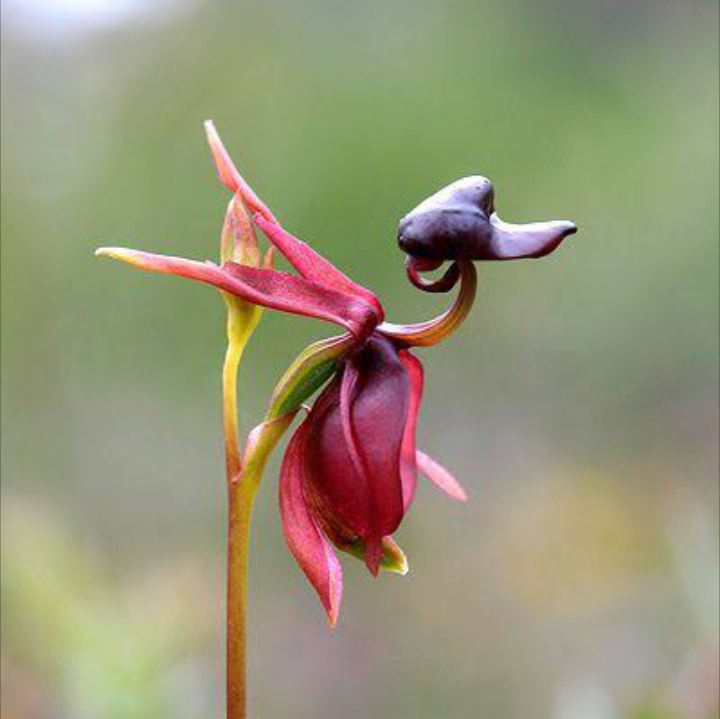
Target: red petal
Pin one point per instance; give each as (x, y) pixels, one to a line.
(408, 461)
(373, 537)
(361, 495)
(265, 287)
(230, 177)
(312, 265)
(308, 298)
(308, 544)
(440, 477)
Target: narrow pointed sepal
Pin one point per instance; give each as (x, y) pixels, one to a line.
(230, 177)
(408, 454)
(303, 535)
(440, 477)
(265, 287)
(312, 265)
(312, 368)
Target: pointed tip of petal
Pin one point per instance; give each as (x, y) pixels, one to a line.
(373, 555)
(119, 253)
(303, 534)
(402, 569)
(440, 477)
(332, 598)
(460, 495)
(227, 172)
(332, 616)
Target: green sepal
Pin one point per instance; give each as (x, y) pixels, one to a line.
(314, 366)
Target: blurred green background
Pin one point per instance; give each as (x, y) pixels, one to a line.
(579, 404)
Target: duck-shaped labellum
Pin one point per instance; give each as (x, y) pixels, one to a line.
(459, 222)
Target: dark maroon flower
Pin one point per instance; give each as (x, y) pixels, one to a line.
(350, 471)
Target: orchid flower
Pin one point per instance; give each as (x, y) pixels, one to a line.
(349, 473)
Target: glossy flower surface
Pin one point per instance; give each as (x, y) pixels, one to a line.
(350, 472)
(459, 222)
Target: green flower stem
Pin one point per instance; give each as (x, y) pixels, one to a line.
(242, 319)
(233, 355)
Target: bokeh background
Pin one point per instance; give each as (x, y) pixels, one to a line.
(579, 404)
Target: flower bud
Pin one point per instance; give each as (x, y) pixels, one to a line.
(238, 241)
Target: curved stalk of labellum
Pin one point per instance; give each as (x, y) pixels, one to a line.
(415, 265)
(431, 332)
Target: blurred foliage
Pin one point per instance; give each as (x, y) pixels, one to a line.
(579, 404)
(114, 651)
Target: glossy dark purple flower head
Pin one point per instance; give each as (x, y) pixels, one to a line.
(459, 222)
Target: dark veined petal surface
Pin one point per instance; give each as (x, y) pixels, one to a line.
(353, 451)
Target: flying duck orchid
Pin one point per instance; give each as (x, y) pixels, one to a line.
(350, 470)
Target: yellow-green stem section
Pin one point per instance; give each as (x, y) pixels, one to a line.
(233, 355)
(241, 495)
(242, 319)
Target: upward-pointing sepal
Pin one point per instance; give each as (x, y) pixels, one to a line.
(230, 177)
